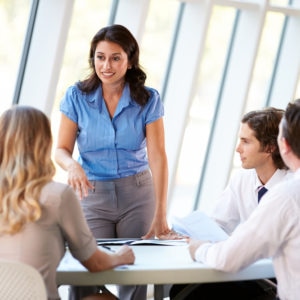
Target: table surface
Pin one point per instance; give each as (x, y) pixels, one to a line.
(157, 265)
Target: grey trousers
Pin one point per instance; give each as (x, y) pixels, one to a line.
(121, 208)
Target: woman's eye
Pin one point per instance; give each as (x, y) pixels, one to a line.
(100, 57)
(116, 58)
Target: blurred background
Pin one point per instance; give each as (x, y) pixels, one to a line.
(211, 61)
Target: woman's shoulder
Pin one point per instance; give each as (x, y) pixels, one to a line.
(56, 190)
(56, 184)
(75, 97)
(74, 90)
(152, 91)
(154, 95)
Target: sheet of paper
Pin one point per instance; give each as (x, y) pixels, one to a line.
(161, 242)
(135, 242)
(198, 225)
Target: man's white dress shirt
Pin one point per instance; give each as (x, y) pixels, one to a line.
(239, 199)
(272, 230)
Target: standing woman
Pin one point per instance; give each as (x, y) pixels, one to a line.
(121, 174)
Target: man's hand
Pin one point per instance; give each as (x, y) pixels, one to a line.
(193, 246)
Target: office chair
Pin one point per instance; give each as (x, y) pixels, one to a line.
(20, 281)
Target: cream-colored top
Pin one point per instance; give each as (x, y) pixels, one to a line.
(42, 244)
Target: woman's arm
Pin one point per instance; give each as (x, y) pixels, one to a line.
(63, 157)
(155, 138)
(65, 142)
(101, 261)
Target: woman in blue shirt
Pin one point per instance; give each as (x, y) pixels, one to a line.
(121, 174)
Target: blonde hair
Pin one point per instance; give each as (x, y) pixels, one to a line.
(25, 166)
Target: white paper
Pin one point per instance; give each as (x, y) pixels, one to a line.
(135, 242)
(198, 225)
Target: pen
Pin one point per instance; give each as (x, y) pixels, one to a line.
(108, 248)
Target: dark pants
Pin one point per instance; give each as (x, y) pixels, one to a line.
(239, 290)
(78, 292)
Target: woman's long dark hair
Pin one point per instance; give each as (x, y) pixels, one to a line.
(134, 76)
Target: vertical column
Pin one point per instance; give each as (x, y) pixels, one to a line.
(288, 68)
(186, 56)
(236, 81)
(132, 14)
(46, 54)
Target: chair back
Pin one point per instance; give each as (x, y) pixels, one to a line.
(20, 281)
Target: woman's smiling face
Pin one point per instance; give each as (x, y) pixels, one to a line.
(111, 62)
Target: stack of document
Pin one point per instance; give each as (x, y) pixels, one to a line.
(198, 225)
(136, 242)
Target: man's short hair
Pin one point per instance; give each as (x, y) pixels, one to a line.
(291, 126)
(265, 124)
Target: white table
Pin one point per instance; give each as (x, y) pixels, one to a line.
(157, 265)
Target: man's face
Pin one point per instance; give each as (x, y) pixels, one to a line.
(250, 150)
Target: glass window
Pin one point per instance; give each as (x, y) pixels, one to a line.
(88, 17)
(265, 61)
(297, 94)
(14, 15)
(157, 39)
(198, 126)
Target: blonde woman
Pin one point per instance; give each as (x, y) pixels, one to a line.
(37, 215)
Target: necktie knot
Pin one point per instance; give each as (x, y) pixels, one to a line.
(262, 190)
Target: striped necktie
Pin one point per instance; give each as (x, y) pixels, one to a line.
(262, 190)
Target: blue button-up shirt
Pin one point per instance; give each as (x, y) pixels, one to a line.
(111, 148)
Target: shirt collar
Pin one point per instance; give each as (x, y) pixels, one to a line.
(297, 173)
(258, 183)
(125, 99)
(277, 177)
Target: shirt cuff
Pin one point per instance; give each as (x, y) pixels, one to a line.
(200, 254)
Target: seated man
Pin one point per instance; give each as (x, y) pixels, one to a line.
(273, 229)
(262, 167)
